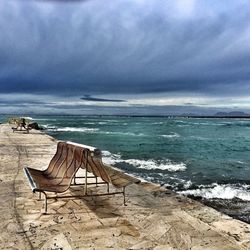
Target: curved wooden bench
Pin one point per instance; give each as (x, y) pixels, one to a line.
(62, 169)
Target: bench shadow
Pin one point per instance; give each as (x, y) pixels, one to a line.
(102, 206)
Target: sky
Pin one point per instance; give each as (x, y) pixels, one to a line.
(124, 56)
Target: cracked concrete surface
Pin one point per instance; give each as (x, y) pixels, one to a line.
(154, 218)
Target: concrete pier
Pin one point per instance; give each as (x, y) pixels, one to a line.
(154, 218)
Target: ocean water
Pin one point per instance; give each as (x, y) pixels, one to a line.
(207, 159)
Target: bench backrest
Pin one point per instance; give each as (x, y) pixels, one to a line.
(57, 159)
(76, 157)
(95, 166)
(93, 162)
(68, 159)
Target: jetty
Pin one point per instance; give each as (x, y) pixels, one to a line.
(154, 218)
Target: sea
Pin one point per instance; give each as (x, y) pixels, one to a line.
(207, 159)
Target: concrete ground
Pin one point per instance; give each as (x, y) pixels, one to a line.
(154, 218)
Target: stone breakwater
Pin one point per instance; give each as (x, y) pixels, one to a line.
(154, 218)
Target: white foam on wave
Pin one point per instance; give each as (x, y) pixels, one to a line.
(199, 138)
(158, 123)
(225, 191)
(102, 123)
(122, 133)
(240, 162)
(111, 159)
(187, 184)
(71, 129)
(44, 119)
(152, 164)
(172, 135)
(205, 123)
(144, 164)
(28, 118)
(49, 127)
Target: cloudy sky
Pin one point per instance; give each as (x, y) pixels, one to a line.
(95, 56)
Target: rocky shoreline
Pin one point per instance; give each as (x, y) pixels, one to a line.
(154, 217)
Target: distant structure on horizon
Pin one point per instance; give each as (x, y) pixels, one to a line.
(232, 114)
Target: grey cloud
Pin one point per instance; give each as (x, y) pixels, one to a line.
(98, 47)
(95, 99)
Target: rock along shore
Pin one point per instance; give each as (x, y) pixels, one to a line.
(154, 218)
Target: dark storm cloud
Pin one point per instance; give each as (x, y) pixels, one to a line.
(94, 99)
(102, 47)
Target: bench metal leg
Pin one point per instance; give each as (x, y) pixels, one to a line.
(124, 197)
(108, 187)
(86, 183)
(45, 202)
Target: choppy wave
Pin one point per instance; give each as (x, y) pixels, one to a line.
(152, 164)
(28, 118)
(69, 129)
(144, 164)
(44, 119)
(206, 123)
(238, 124)
(90, 123)
(102, 123)
(200, 138)
(111, 159)
(72, 129)
(49, 127)
(224, 191)
(122, 133)
(158, 123)
(172, 135)
(240, 162)
(96, 123)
